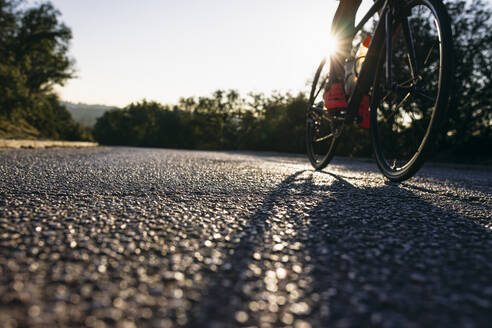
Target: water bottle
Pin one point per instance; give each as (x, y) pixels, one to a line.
(364, 111)
(353, 66)
(350, 76)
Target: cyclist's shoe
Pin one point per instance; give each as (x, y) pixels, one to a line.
(364, 115)
(334, 97)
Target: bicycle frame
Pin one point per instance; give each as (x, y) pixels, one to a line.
(408, 102)
(382, 37)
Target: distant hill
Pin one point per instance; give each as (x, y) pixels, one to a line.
(86, 114)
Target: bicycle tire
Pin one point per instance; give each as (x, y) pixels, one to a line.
(399, 153)
(318, 124)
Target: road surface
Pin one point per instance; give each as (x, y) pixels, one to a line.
(162, 238)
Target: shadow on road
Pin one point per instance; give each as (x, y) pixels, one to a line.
(216, 306)
(352, 256)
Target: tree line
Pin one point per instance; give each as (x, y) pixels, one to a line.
(469, 135)
(223, 121)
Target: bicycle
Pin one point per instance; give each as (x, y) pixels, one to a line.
(407, 74)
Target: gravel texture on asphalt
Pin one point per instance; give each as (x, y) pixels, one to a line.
(163, 238)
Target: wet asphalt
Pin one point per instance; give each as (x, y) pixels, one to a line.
(124, 237)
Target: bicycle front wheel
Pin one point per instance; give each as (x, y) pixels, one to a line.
(406, 117)
(322, 130)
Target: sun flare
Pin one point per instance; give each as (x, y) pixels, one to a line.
(324, 48)
(331, 44)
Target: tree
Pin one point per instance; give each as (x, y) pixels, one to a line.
(41, 48)
(34, 58)
(144, 124)
(470, 115)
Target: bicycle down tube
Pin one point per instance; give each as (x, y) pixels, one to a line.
(368, 70)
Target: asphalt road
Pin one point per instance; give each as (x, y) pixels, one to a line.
(162, 238)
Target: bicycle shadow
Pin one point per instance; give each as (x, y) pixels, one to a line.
(376, 255)
(216, 307)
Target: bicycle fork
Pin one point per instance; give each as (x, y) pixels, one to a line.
(408, 37)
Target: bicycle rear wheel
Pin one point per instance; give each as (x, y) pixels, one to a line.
(322, 129)
(406, 117)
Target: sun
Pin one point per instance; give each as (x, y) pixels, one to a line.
(331, 45)
(324, 47)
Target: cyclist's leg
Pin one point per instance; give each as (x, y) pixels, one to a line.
(342, 28)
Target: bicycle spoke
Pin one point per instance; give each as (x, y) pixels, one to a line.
(429, 54)
(424, 95)
(412, 69)
(322, 86)
(409, 42)
(410, 81)
(324, 138)
(386, 97)
(403, 100)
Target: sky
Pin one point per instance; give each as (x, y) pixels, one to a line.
(127, 50)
